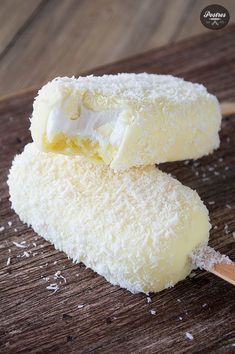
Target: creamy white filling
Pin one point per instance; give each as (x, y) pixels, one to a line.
(87, 124)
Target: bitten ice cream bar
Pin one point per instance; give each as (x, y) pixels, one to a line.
(126, 120)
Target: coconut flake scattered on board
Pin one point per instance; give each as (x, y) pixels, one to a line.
(206, 257)
(226, 229)
(53, 287)
(20, 245)
(153, 312)
(189, 336)
(58, 275)
(25, 254)
(80, 306)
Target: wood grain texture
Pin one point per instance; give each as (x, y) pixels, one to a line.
(225, 271)
(63, 37)
(33, 320)
(14, 16)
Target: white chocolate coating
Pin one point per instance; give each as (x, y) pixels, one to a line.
(135, 228)
(126, 120)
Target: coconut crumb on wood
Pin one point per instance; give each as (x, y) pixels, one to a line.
(80, 306)
(189, 336)
(25, 254)
(153, 312)
(20, 245)
(58, 275)
(54, 287)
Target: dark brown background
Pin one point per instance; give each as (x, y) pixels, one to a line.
(33, 320)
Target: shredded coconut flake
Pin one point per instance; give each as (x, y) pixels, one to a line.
(206, 257)
(189, 336)
(80, 306)
(153, 312)
(58, 275)
(20, 245)
(226, 229)
(53, 287)
(26, 254)
(132, 86)
(8, 261)
(2, 228)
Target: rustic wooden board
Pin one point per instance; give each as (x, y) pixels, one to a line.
(33, 320)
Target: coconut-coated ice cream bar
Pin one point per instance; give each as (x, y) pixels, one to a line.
(136, 228)
(126, 120)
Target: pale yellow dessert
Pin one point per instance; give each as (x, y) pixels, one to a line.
(136, 228)
(126, 120)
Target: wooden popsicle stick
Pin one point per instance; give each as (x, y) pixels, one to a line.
(225, 271)
(207, 258)
(227, 108)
